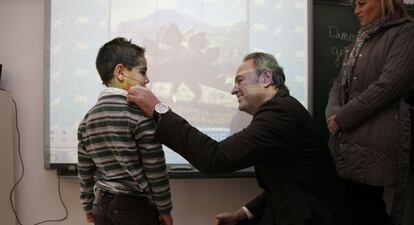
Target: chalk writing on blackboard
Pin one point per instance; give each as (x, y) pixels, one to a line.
(335, 33)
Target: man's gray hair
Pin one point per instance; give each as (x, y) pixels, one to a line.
(263, 61)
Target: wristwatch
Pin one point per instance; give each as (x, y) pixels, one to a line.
(159, 110)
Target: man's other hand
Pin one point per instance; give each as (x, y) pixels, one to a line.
(144, 99)
(232, 218)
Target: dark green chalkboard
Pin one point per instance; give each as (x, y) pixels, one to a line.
(334, 27)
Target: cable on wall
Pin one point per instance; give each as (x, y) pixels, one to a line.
(21, 177)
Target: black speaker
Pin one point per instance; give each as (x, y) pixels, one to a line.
(1, 66)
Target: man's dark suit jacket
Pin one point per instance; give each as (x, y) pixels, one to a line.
(291, 159)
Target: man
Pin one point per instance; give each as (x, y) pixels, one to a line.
(122, 169)
(291, 159)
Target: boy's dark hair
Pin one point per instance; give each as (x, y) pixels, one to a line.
(117, 51)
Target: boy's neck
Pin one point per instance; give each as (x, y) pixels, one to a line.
(116, 84)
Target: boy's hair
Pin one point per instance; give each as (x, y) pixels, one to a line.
(117, 51)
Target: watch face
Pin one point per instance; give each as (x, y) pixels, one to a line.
(161, 108)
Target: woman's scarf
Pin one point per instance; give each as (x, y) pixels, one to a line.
(363, 35)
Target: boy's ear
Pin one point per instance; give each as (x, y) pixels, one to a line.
(118, 72)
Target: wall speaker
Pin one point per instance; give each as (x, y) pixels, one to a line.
(1, 66)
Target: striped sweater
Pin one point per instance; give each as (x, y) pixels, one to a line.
(117, 152)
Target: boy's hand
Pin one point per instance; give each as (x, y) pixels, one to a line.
(166, 219)
(89, 217)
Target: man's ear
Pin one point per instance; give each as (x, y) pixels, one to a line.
(119, 72)
(266, 78)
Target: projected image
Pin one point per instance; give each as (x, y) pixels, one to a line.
(193, 49)
(409, 2)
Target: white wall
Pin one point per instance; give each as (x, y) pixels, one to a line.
(21, 53)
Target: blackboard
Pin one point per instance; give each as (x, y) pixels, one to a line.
(334, 27)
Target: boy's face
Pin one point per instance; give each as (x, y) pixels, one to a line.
(136, 76)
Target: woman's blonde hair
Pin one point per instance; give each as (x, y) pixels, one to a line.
(394, 9)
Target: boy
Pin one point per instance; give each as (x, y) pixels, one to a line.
(122, 171)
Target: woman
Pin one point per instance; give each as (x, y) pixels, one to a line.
(368, 111)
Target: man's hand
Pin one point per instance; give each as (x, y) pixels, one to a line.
(232, 218)
(166, 219)
(144, 99)
(333, 126)
(89, 217)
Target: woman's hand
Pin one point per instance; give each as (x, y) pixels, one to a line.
(333, 126)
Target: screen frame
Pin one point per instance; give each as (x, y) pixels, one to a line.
(175, 170)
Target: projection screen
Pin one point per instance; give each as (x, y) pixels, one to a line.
(193, 48)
